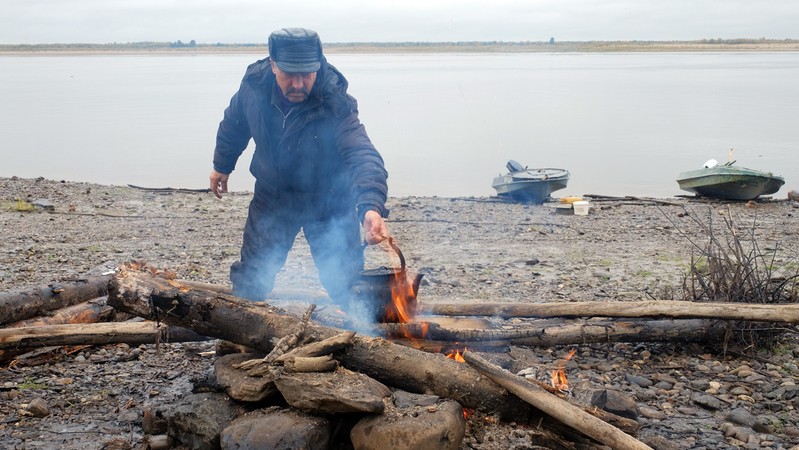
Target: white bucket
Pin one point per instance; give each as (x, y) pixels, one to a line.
(581, 208)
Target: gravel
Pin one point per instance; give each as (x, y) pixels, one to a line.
(687, 395)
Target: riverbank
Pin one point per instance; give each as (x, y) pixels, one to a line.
(687, 395)
(167, 48)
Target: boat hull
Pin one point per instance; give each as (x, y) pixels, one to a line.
(531, 186)
(730, 183)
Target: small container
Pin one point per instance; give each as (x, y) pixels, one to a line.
(581, 208)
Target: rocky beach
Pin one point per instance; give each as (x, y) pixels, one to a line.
(684, 395)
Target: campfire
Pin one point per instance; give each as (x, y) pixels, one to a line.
(350, 365)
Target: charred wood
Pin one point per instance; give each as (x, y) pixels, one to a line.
(88, 312)
(25, 304)
(93, 311)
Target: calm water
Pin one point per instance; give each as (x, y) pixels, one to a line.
(622, 124)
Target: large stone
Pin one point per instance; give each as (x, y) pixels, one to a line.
(276, 429)
(342, 391)
(414, 426)
(199, 418)
(238, 385)
(616, 402)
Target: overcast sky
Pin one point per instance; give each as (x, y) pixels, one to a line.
(250, 21)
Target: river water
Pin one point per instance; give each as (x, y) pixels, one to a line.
(446, 124)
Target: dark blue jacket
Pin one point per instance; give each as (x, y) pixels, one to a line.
(318, 156)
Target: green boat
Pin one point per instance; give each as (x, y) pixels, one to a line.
(728, 182)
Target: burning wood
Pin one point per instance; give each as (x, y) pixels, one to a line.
(559, 380)
(254, 325)
(390, 289)
(556, 407)
(457, 355)
(145, 293)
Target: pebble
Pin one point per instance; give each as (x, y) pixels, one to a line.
(38, 408)
(640, 381)
(707, 401)
(664, 385)
(740, 416)
(651, 413)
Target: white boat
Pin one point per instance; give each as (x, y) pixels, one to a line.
(529, 185)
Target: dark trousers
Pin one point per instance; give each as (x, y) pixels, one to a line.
(270, 231)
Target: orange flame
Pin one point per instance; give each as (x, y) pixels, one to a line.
(457, 355)
(401, 297)
(467, 413)
(559, 380)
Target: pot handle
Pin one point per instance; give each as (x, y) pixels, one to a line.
(399, 253)
(396, 250)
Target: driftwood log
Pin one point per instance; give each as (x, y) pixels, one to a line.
(94, 333)
(565, 412)
(93, 311)
(25, 304)
(549, 333)
(256, 324)
(785, 313)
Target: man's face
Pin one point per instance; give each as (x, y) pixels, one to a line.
(295, 86)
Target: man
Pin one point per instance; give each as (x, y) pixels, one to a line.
(315, 168)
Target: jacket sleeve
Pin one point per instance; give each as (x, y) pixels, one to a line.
(367, 170)
(232, 136)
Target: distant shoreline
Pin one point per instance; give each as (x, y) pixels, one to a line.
(179, 48)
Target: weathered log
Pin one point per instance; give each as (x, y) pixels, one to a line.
(564, 411)
(786, 313)
(256, 324)
(548, 332)
(24, 304)
(96, 334)
(95, 310)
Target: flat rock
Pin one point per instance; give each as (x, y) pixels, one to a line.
(199, 418)
(238, 384)
(342, 391)
(439, 426)
(616, 402)
(277, 429)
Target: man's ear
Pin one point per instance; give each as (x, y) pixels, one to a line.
(272, 64)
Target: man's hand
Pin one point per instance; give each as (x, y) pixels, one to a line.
(219, 184)
(375, 227)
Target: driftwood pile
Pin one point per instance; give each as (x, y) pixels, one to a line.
(313, 366)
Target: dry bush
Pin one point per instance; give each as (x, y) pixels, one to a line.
(728, 264)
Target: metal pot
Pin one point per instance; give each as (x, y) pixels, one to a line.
(377, 287)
